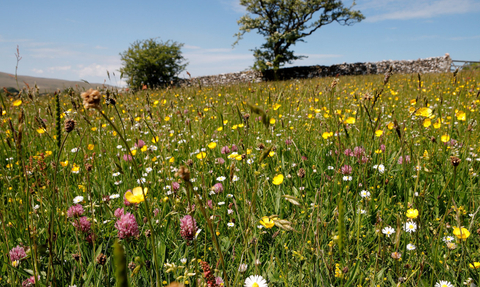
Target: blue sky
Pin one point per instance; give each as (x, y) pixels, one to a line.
(76, 40)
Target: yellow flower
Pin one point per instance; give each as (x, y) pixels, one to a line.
(272, 121)
(378, 133)
(212, 145)
(437, 124)
(413, 102)
(136, 195)
(94, 129)
(461, 116)
(41, 130)
(201, 155)
(64, 163)
(155, 140)
(461, 233)
(134, 152)
(427, 122)
(220, 129)
(90, 147)
(171, 160)
(276, 107)
(445, 138)
(350, 120)
(75, 168)
(326, 135)
(267, 222)
(412, 213)
(424, 112)
(167, 118)
(475, 265)
(271, 153)
(391, 125)
(17, 103)
(48, 153)
(278, 179)
(144, 148)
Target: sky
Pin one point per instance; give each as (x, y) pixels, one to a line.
(82, 40)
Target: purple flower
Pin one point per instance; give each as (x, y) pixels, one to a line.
(225, 150)
(219, 160)
(75, 211)
(348, 152)
(218, 187)
(127, 226)
(17, 253)
(156, 212)
(234, 147)
(382, 147)
(288, 141)
(139, 143)
(30, 281)
(358, 151)
(188, 228)
(210, 204)
(401, 159)
(83, 224)
(175, 186)
(346, 170)
(219, 281)
(127, 157)
(119, 212)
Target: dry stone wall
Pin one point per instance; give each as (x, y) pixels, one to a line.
(422, 66)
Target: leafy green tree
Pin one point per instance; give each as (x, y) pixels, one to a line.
(152, 63)
(284, 22)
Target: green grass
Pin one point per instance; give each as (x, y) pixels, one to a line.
(325, 232)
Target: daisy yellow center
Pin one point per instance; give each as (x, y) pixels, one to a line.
(444, 285)
(255, 284)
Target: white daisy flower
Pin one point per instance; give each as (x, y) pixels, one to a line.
(365, 193)
(257, 281)
(74, 150)
(230, 224)
(411, 247)
(443, 283)
(78, 199)
(410, 226)
(221, 178)
(388, 231)
(116, 174)
(113, 196)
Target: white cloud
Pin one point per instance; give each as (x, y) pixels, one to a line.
(100, 48)
(233, 5)
(379, 10)
(59, 68)
(97, 70)
(37, 71)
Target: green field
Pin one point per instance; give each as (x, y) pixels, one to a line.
(355, 181)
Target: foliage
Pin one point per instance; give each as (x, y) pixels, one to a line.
(152, 63)
(304, 198)
(285, 22)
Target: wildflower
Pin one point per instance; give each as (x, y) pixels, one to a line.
(448, 239)
(175, 186)
(188, 228)
(127, 157)
(378, 133)
(30, 281)
(461, 233)
(230, 224)
(396, 255)
(113, 196)
(442, 283)
(475, 265)
(139, 144)
(17, 253)
(411, 247)
(208, 275)
(346, 170)
(212, 145)
(75, 211)
(412, 213)
(242, 267)
(445, 138)
(424, 112)
(75, 169)
(217, 187)
(119, 212)
(255, 281)
(347, 178)
(388, 231)
(83, 224)
(127, 226)
(91, 99)
(278, 179)
(219, 161)
(201, 155)
(136, 195)
(451, 245)
(78, 199)
(365, 193)
(17, 103)
(219, 281)
(410, 226)
(267, 222)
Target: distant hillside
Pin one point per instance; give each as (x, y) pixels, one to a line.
(45, 84)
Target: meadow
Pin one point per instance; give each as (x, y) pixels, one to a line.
(349, 181)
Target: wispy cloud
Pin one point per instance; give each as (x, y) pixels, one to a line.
(233, 5)
(379, 10)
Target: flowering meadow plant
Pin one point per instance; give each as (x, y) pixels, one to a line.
(350, 181)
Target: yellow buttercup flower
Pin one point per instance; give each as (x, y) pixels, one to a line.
(276, 107)
(267, 222)
(461, 116)
(90, 147)
(461, 233)
(427, 122)
(391, 125)
(17, 103)
(378, 133)
(167, 118)
(475, 265)
(350, 120)
(272, 121)
(64, 163)
(155, 140)
(278, 179)
(445, 138)
(41, 130)
(201, 155)
(412, 213)
(212, 145)
(424, 112)
(136, 195)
